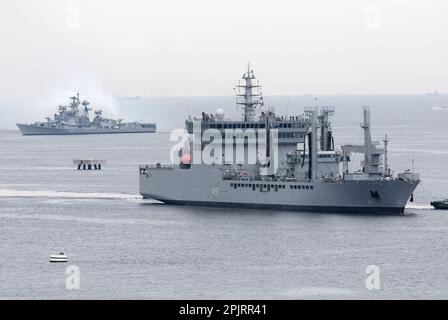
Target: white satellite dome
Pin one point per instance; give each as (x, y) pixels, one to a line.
(219, 114)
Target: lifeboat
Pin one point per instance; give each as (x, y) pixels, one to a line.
(60, 257)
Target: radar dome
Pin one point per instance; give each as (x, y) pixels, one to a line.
(219, 114)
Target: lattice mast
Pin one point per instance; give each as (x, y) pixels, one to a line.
(249, 95)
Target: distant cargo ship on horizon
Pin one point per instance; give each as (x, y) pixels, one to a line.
(129, 98)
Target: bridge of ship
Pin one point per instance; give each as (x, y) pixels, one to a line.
(289, 131)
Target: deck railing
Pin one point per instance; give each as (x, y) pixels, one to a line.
(157, 166)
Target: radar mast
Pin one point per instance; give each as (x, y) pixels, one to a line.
(249, 95)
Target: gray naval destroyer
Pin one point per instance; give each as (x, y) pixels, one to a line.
(297, 169)
(73, 119)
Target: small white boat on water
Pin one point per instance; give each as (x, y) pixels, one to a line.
(60, 257)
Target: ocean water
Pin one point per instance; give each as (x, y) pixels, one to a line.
(129, 248)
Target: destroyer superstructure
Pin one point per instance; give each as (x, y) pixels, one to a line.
(75, 119)
(295, 167)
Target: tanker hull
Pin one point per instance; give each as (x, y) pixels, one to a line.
(204, 186)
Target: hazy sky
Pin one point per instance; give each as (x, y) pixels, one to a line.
(201, 47)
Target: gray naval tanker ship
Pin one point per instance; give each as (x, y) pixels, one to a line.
(297, 166)
(73, 119)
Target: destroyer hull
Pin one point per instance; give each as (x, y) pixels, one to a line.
(174, 186)
(29, 130)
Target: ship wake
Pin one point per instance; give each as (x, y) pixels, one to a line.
(12, 193)
(420, 206)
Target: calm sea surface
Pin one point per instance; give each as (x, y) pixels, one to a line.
(129, 248)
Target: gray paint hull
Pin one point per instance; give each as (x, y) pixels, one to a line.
(203, 185)
(38, 130)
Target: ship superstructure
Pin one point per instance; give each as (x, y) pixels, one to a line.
(265, 160)
(75, 119)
